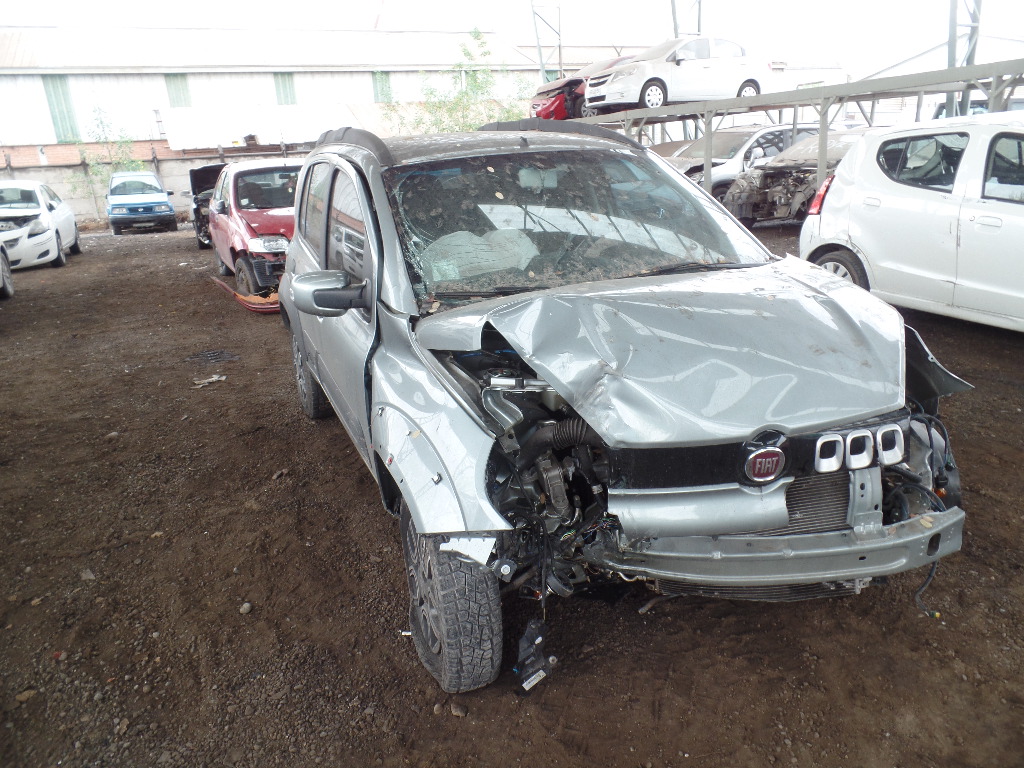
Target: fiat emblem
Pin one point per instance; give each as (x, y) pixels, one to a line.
(765, 464)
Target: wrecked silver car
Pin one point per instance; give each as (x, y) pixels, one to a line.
(564, 364)
(784, 187)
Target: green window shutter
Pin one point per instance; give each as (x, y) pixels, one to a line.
(284, 84)
(382, 87)
(177, 90)
(61, 110)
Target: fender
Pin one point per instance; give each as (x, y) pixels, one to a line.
(430, 479)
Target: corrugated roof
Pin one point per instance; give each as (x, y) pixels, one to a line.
(52, 50)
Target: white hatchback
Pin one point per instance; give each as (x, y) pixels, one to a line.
(931, 217)
(36, 226)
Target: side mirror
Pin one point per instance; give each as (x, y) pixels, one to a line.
(170, 193)
(51, 206)
(328, 293)
(219, 206)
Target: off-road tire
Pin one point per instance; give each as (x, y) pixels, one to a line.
(454, 612)
(76, 247)
(62, 257)
(311, 395)
(245, 278)
(843, 263)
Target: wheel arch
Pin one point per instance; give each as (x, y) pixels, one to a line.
(819, 253)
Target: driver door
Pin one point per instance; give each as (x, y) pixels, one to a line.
(342, 344)
(688, 75)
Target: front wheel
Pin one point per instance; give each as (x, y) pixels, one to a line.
(719, 192)
(311, 395)
(748, 90)
(173, 226)
(76, 247)
(580, 108)
(653, 95)
(843, 263)
(6, 282)
(245, 277)
(62, 257)
(454, 612)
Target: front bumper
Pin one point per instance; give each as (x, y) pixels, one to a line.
(140, 220)
(762, 561)
(620, 92)
(25, 251)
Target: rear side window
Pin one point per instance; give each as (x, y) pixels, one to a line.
(929, 161)
(1004, 169)
(313, 219)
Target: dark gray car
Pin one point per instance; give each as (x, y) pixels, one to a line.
(564, 364)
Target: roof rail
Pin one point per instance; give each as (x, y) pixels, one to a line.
(568, 126)
(360, 138)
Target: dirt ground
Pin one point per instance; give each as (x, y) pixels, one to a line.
(141, 511)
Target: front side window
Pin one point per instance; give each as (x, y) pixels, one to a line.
(478, 226)
(1004, 169)
(52, 195)
(695, 49)
(923, 161)
(313, 221)
(346, 246)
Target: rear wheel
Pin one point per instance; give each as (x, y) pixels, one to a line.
(653, 95)
(62, 257)
(245, 277)
(76, 247)
(311, 395)
(843, 263)
(454, 612)
(748, 90)
(719, 192)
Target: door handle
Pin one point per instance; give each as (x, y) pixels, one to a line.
(988, 221)
(874, 202)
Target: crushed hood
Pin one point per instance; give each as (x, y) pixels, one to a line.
(271, 221)
(700, 358)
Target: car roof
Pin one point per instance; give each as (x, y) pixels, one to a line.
(995, 120)
(408, 150)
(133, 175)
(20, 183)
(236, 166)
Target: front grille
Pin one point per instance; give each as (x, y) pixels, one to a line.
(782, 593)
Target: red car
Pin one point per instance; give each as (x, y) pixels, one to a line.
(251, 220)
(563, 99)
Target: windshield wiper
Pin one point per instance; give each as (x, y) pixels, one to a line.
(670, 269)
(498, 290)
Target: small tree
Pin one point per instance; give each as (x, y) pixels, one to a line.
(468, 102)
(115, 154)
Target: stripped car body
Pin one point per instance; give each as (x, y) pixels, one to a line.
(562, 363)
(202, 180)
(783, 187)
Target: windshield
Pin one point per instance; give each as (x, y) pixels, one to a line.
(724, 145)
(267, 188)
(143, 186)
(501, 224)
(600, 66)
(17, 197)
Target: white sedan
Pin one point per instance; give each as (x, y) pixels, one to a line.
(691, 68)
(36, 226)
(931, 217)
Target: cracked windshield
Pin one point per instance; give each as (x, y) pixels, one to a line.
(495, 225)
